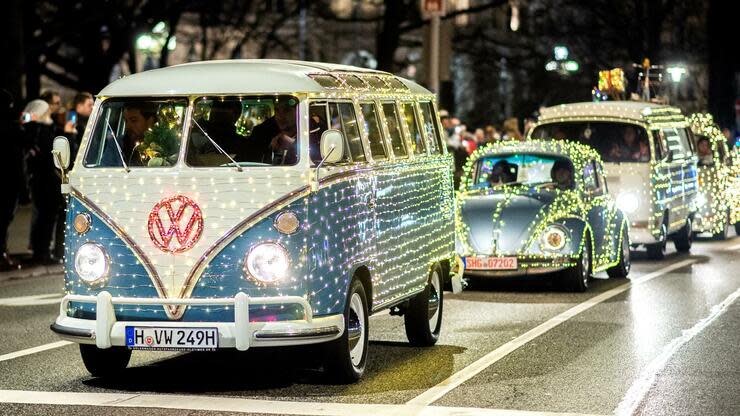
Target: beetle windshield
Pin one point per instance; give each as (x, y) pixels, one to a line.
(523, 169)
(615, 141)
(137, 133)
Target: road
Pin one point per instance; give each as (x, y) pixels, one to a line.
(664, 341)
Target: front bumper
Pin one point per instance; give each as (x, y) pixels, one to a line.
(105, 331)
(527, 266)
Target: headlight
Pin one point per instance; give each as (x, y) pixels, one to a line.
(554, 238)
(267, 262)
(628, 202)
(701, 200)
(91, 262)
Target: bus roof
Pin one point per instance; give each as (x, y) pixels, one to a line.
(638, 111)
(255, 76)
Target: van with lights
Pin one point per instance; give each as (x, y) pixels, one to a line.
(718, 200)
(650, 159)
(255, 203)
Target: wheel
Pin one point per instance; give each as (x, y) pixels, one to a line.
(657, 251)
(576, 278)
(104, 362)
(737, 228)
(683, 238)
(346, 356)
(622, 269)
(723, 234)
(423, 317)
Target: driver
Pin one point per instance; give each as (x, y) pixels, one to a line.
(704, 151)
(501, 173)
(562, 174)
(276, 137)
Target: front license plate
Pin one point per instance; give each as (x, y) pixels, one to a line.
(491, 263)
(144, 338)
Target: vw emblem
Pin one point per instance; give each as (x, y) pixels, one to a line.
(175, 224)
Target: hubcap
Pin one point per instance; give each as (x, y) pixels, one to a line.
(434, 290)
(626, 252)
(585, 263)
(356, 329)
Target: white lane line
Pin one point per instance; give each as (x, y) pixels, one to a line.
(732, 248)
(33, 300)
(34, 350)
(465, 374)
(232, 404)
(641, 386)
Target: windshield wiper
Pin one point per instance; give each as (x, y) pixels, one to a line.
(118, 146)
(219, 148)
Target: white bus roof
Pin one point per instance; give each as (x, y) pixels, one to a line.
(632, 110)
(250, 76)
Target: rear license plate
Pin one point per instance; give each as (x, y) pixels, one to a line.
(490, 263)
(145, 338)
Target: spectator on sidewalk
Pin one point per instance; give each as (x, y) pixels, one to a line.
(82, 105)
(13, 186)
(511, 130)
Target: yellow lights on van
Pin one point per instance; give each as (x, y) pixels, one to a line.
(82, 222)
(287, 222)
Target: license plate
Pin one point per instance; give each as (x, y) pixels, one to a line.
(490, 263)
(144, 338)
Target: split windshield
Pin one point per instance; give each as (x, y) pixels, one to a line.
(615, 142)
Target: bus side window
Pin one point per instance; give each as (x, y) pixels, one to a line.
(409, 116)
(674, 143)
(342, 116)
(394, 130)
(686, 141)
(430, 126)
(374, 134)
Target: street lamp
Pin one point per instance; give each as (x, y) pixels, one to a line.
(561, 63)
(677, 72)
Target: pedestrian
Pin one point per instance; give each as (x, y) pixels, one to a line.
(45, 183)
(13, 188)
(54, 100)
(79, 115)
(491, 134)
(529, 122)
(480, 137)
(511, 130)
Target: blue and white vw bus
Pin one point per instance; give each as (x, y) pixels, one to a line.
(255, 203)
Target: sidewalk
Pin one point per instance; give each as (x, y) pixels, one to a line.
(18, 235)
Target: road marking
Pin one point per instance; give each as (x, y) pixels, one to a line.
(34, 350)
(232, 404)
(732, 248)
(641, 386)
(33, 300)
(465, 374)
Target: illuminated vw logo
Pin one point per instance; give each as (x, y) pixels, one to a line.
(175, 224)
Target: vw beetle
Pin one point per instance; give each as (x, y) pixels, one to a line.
(539, 207)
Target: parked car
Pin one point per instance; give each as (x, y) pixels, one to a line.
(651, 160)
(256, 203)
(718, 201)
(540, 207)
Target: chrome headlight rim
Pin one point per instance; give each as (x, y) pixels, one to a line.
(106, 259)
(252, 275)
(559, 229)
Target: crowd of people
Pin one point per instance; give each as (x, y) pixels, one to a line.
(28, 169)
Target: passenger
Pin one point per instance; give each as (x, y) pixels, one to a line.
(221, 128)
(630, 150)
(502, 172)
(562, 174)
(644, 151)
(275, 138)
(704, 151)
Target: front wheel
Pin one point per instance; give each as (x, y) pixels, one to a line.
(684, 238)
(423, 318)
(104, 362)
(622, 269)
(346, 356)
(576, 278)
(656, 251)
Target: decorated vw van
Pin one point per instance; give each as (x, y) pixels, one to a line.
(650, 159)
(255, 203)
(718, 201)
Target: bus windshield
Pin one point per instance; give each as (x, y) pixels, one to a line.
(615, 141)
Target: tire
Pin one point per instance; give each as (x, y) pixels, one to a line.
(684, 238)
(104, 362)
(423, 317)
(576, 278)
(657, 251)
(737, 229)
(622, 269)
(345, 357)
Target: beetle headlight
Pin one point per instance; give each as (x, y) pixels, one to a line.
(628, 202)
(92, 263)
(267, 263)
(554, 238)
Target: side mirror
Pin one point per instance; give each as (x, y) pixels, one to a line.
(331, 146)
(61, 152)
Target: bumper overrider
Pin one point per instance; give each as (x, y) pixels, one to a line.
(105, 331)
(529, 265)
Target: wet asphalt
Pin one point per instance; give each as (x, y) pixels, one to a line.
(591, 363)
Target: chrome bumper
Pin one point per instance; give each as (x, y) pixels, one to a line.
(105, 331)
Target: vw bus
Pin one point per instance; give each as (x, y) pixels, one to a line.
(718, 200)
(650, 159)
(255, 203)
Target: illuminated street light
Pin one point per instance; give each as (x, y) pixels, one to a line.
(676, 73)
(560, 52)
(561, 63)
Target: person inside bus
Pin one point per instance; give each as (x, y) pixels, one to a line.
(704, 151)
(139, 118)
(562, 174)
(275, 138)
